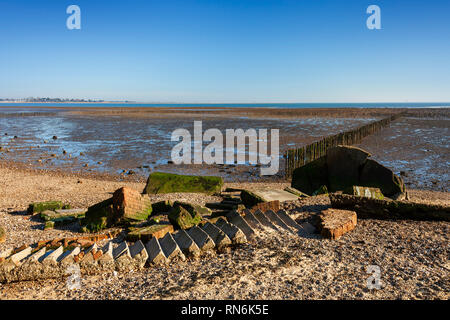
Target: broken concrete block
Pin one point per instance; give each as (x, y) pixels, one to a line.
(322, 190)
(146, 233)
(264, 220)
(283, 215)
(67, 258)
(162, 207)
(99, 216)
(252, 221)
(236, 219)
(38, 207)
(193, 209)
(344, 163)
(170, 248)
(121, 249)
(376, 175)
(334, 223)
(186, 243)
(220, 239)
(276, 220)
(253, 197)
(51, 257)
(155, 252)
(160, 182)
(183, 219)
(296, 192)
(234, 233)
(201, 238)
(389, 209)
(311, 176)
(374, 193)
(138, 254)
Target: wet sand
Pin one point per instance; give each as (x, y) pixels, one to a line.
(129, 143)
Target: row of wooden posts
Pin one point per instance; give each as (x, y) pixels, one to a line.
(298, 157)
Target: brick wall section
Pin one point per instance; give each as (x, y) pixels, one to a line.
(334, 223)
(131, 205)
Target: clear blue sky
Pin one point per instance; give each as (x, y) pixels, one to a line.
(226, 51)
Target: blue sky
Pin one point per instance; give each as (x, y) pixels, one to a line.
(226, 51)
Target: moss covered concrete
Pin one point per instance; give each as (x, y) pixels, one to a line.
(160, 182)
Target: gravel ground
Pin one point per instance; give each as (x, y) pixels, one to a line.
(412, 255)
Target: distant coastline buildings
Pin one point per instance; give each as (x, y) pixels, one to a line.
(51, 100)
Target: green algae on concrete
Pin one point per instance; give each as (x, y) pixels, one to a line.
(368, 192)
(99, 216)
(250, 199)
(38, 207)
(389, 209)
(183, 219)
(162, 206)
(193, 209)
(160, 182)
(146, 233)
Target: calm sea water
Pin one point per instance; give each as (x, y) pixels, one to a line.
(237, 105)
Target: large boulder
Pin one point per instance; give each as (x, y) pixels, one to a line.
(160, 182)
(375, 175)
(343, 164)
(311, 176)
(183, 219)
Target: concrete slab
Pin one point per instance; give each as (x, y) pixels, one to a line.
(170, 248)
(154, 251)
(274, 194)
(201, 238)
(236, 219)
(219, 237)
(234, 233)
(186, 243)
(264, 220)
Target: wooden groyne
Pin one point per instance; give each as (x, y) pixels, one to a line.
(298, 157)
